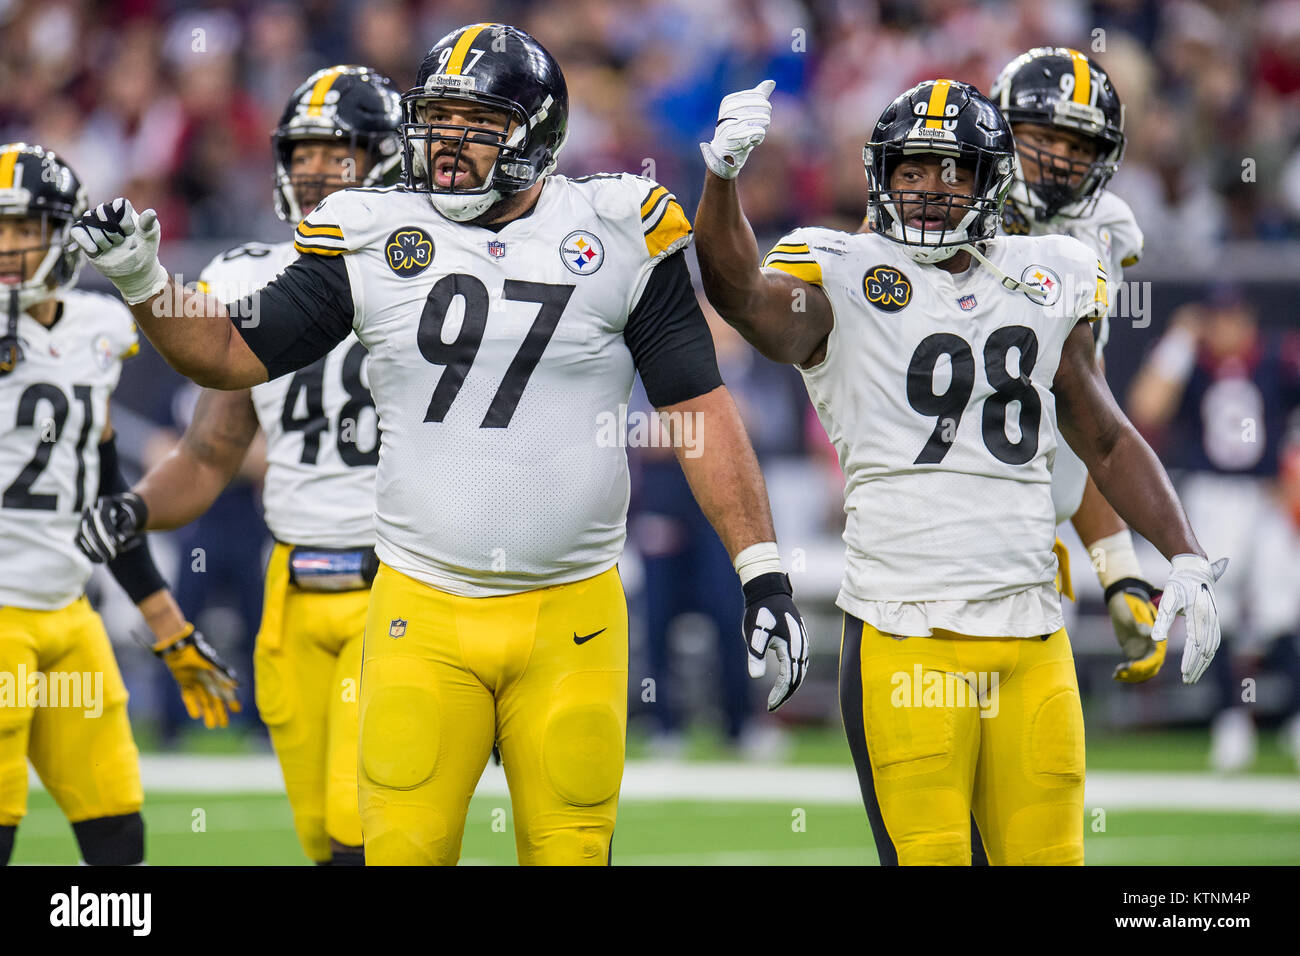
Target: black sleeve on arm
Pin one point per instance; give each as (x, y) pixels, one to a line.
(134, 569)
(299, 316)
(669, 337)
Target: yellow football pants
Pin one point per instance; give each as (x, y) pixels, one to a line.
(76, 731)
(543, 673)
(948, 726)
(308, 670)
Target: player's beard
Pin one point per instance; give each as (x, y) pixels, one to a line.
(467, 176)
(310, 191)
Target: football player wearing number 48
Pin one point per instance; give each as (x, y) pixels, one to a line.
(942, 359)
(339, 129)
(505, 310)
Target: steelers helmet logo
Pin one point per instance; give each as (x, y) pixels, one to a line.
(409, 251)
(887, 288)
(1045, 281)
(581, 252)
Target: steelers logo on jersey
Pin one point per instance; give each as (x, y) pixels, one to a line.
(409, 251)
(102, 349)
(887, 288)
(1047, 282)
(581, 252)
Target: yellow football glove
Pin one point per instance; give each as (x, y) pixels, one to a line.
(207, 684)
(1132, 606)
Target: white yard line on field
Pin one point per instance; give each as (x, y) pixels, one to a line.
(646, 780)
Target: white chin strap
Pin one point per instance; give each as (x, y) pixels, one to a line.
(464, 208)
(36, 289)
(1015, 285)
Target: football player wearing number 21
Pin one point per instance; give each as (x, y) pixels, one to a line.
(340, 128)
(505, 309)
(942, 359)
(62, 698)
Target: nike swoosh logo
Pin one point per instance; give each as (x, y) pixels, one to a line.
(584, 639)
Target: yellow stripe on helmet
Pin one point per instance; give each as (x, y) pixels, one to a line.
(938, 100)
(9, 168)
(318, 92)
(457, 61)
(1082, 77)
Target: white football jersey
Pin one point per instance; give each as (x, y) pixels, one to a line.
(53, 408)
(497, 361)
(1112, 232)
(936, 392)
(322, 432)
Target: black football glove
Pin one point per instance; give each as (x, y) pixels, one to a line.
(111, 525)
(771, 619)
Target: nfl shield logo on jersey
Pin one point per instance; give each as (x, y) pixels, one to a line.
(496, 249)
(397, 627)
(967, 302)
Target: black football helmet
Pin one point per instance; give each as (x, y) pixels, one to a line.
(351, 104)
(1061, 88)
(34, 182)
(950, 119)
(503, 69)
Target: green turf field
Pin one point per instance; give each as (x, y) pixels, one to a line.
(255, 828)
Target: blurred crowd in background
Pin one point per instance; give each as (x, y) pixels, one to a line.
(171, 104)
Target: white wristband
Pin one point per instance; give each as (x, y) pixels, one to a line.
(1113, 558)
(136, 289)
(762, 558)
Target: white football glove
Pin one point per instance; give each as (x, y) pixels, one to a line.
(124, 247)
(743, 119)
(1190, 592)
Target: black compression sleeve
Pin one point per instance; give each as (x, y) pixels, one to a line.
(299, 316)
(670, 339)
(133, 568)
(111, 480)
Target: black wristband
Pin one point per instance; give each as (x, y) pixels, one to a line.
(765, 585)
(135, 571)
(110, 475)
(1125, 584)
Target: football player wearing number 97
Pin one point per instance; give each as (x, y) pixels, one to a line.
(62, 699)
(338, 129)
(942, 360)
(505, 309)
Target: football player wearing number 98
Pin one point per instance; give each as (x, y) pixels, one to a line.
(339, 129)
(942, 360)
(505, 309)
(61, 354)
